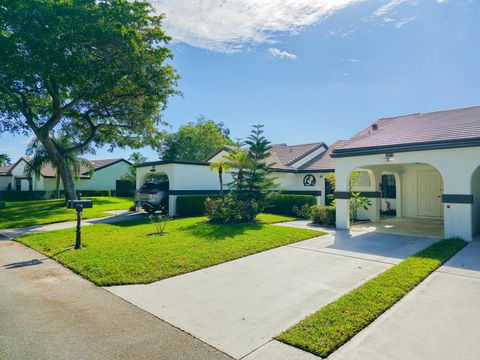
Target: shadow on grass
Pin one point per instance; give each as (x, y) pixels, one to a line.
(220, 231)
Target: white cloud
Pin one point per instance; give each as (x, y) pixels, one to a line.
(392, 4)
(402, 22)
(281, 54)
(230, 25)
(352, 61)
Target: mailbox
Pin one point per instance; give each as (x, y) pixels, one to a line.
(79, 204)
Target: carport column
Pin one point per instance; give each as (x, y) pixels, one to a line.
(457, 206)
(376, 201)
(172, 205)
(458, 220)
(342, 205)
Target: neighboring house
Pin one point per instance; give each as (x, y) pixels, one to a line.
(432, 162)
(103, 176)
(299, 169)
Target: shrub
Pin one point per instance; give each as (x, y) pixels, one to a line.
(303, 212)
(229, 210)
(323, 215)
(192, 205)
(283, 204)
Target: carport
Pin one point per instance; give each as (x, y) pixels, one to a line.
(434, 156)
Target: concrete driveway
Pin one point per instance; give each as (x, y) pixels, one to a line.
(437, 320)
(239, 306)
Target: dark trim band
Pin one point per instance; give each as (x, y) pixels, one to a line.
(301, 192)
(195, 192)
(457, 199)
(348, 194)
(217, 192)
(434, 145)
(199, 163)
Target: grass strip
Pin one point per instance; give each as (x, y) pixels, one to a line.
(333, 325)
(39, 212)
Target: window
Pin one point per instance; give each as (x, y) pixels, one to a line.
(389, 188)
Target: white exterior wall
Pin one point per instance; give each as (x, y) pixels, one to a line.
(105, 178)
(191, 177)
(19, 171)
(4, 181)
(102, 179)
(456, 167)
(476, 201)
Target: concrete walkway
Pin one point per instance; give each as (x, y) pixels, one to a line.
(48, 312)
(437, 320)
(117, 215)
(239, 306)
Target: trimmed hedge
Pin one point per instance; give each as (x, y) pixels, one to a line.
(192, 205)
(283, 204)
(25, 195)
(323, 215)
(46, 195)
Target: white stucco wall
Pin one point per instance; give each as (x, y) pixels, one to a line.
(190, 177)
(476, 201)
(4, 181)
(102, 179)
(456, 167)
(19, 171)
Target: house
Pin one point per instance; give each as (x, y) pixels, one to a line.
(102, 176)
(299, 169)
(432, 161)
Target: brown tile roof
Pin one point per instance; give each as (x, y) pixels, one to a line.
(323, 162)
(434, 127)
(284, 156)
(5, 169)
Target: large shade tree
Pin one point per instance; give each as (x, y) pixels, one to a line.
(195, 141)
(4, 159)
(94, 69)
(40, 158)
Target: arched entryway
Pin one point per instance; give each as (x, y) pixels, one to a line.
(413, 192)
(475, 188)
(155, 187)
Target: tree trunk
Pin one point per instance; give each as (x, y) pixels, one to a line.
(57, 187)
(220, 178)
(61, 165)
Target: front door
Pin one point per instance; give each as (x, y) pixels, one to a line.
(429, 194)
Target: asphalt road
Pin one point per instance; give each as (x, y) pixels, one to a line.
(48, 312)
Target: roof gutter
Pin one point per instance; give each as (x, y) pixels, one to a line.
(437, 145)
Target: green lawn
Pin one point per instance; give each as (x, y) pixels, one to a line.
(333, 325)
(38, 212)
(123, 253)
(272, 218)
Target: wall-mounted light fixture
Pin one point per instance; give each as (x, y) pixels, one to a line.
(153, 169)
(389, 157)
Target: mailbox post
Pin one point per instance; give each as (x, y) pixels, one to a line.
(79, 205)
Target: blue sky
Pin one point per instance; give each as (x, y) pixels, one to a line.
(314, 70)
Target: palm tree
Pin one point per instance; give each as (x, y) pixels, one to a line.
(4, 159)
(220, 167)
(40, 158)
(239, 160)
